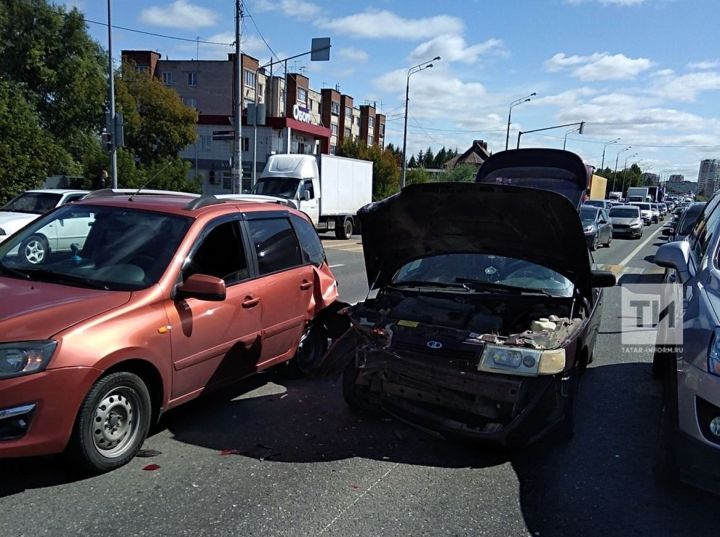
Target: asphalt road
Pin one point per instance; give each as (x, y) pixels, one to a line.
(286, 457)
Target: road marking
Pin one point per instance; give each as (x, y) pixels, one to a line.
(642, 245)
(338, 265)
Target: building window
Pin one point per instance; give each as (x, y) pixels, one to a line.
(335, 108)
(167, 78)
(301, 147)
(302, 95)
(348, 112)
(246, 144)
(192, 78)
(371, 121)
(347, 133)
(190, 101)
(370, 139)
(334, 129)
(310, 105)
(250, 79)
(142, 68)
(332, 149)
(205, 142)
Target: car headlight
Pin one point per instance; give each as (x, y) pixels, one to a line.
(589, 229)
(524, 362)
(635, 224)
(714, 353)
(24, 357)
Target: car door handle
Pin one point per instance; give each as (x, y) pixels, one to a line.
(305, 285)
(250, 302)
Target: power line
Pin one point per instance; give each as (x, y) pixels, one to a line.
(261, 35)
(164, 36)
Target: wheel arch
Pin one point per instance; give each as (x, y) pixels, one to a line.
(149, 374)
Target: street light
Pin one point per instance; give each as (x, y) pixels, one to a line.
(414, 69)
(616, 140)
(628, 158)
(576, 129)
(616, 163)
(625, 168)
(580, 128)
(512, 104)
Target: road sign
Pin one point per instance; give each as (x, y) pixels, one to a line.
(223, 135)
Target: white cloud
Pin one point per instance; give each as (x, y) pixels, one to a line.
(353, 54)
(375, 24)
(454, 48)
(687, 87)
(704, 65)
(598, 66)
(179, 14)
(291, 8)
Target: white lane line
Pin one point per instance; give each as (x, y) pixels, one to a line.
(338, 265)
(642, 245)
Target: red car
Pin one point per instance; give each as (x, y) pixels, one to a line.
(159, 298)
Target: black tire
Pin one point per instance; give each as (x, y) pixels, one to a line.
(607, 244)
(344, 228)
(356, 397)
(35, 249)
(312, 347)
(595, 243)
(566, 429)
(116, 406)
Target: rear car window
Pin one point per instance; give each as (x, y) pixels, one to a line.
(310, 243)
(276, 245)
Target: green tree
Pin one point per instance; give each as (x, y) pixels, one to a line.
(411, 163)
(386, 172)
(49, 51)
(428, 158)
(462, 172)
(440, 158)
(28, 153)
(417, 175)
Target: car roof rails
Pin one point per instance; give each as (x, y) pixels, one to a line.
(203, 201)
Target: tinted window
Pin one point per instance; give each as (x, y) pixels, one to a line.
(310, 243)
(308, 187)
(220, 254)
(276, 245)
(595, 203)
(588, 214)
(705, 228)
(33, 202)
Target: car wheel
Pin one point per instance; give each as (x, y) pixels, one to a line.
(112, 423)
(345, 228)
(595, 243)
(356, 397)
(566, 429)
(311, 349)
(667, 470)
(607, 244)
(35, 249)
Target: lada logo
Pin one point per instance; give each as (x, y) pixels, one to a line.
(434, 344)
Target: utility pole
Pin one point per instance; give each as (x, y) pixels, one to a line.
(237, 113)
(113, 121)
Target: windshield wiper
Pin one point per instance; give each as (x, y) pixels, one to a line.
(14, 272)
(59, 277)
(423, 283)
(481, 284)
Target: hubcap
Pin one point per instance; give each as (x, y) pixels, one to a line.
(34, 251)
(116, 423)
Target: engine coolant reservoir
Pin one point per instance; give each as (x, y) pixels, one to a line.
(542, 324)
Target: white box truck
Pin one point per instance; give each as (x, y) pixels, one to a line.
(635, 193)
(329, 189)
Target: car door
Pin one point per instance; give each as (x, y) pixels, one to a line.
(284, 284)
(311, 206)
(216, 342)
(605, 225)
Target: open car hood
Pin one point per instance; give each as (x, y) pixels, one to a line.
(442, 218)
(557, 170)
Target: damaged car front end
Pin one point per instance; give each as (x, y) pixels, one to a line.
(484, 313)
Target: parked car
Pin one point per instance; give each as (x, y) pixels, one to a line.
(626, 220)
(678, 230)
(165, 297)
(483, 321)
(597, 226)
(690, 449)
(656, 212)
(27, 206)
(646, 212)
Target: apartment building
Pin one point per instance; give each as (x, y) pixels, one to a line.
(297, 118)
(708, 176)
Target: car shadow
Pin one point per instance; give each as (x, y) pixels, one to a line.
(19, 475)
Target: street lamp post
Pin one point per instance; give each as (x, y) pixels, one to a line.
(616, 140)
(576, 129)
(616, 164)
(414, 69)
(580, 128)
(512, 104)
(626, 161)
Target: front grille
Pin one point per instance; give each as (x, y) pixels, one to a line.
(444, 353)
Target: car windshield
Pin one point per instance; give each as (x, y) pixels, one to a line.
(98, 247)
(588, 214)
(595, 203)
(624, 213)
(283, 187)
(484, 271)
(33, 202)
(644, 206)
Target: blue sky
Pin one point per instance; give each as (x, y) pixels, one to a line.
(647, 71)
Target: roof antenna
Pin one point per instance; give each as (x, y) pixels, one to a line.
(146, 183)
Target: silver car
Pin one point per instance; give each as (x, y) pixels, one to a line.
(626, 220)
(691, 371)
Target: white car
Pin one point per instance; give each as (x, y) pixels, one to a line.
(29, 205)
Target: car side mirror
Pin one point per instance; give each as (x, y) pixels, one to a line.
(675, 255)
(306, 195)
(602, 278)
(667, 232)
(202, 287)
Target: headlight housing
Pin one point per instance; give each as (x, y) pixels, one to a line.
(636, 224)
(25, 357)
(589, 229)
(519, 361)
(714, 353)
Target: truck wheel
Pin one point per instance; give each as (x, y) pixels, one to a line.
(344, 228)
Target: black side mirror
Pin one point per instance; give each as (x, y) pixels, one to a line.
(202, 287)
(602, 278)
